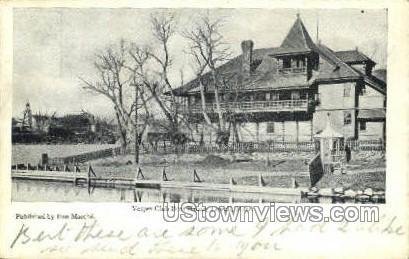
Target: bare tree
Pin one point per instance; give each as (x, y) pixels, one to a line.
(116, 81)
(152, 70)
(209, 51)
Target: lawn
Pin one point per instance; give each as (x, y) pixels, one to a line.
(210, 168)
(277, 169)
(220, 168)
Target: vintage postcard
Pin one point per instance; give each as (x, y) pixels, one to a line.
(204, 129)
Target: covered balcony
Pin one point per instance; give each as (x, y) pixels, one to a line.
(249, 106)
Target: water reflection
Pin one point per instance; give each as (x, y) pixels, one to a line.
(27, 191)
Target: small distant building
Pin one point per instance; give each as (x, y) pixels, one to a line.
(285, 93)
(80, 123)
(81, 127)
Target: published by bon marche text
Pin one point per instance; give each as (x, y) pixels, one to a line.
(54, 216)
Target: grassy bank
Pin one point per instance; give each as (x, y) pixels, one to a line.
(276, 171)
(210, 168)
(354, 181)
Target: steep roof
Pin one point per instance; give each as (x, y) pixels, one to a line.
(262, 80)
(298, 37)
(334, 68)
(353, 56)
(230, 67)
(373, 81)
(380, 74)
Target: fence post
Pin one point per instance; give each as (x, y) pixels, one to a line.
(260, 181)
(140, 174)
(90, 170)
(44, 159)
(89, 177)
(294, 183)
(164, 177)
(196, 178)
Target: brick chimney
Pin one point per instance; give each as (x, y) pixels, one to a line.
(247, 48)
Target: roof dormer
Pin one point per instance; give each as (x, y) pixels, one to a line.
(357, 60)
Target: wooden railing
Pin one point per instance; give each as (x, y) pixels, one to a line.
(367, 145)
(243, 147)
(270, 146)
(292, 70)
(84, 157)
(250, 106)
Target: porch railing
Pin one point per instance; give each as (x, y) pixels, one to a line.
(292, 70)
(249, 106)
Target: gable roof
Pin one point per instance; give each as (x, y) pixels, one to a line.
(353, 57)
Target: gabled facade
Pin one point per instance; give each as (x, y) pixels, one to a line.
(286, 93)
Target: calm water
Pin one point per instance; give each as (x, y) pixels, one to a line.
(27, 191)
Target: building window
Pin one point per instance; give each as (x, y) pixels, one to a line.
(270, 127)
(286, 63)
(275, 96)
(301, 62)
(362, 125)
(347, 118)
(295, 95)
(347, 91)
(260, 97)
(317, 99)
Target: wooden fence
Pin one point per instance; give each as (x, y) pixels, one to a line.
(84, 157)
(244, 147)
(194, 148)
(263, 147)
(366, 145)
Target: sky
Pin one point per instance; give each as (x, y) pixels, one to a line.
(53, 47)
